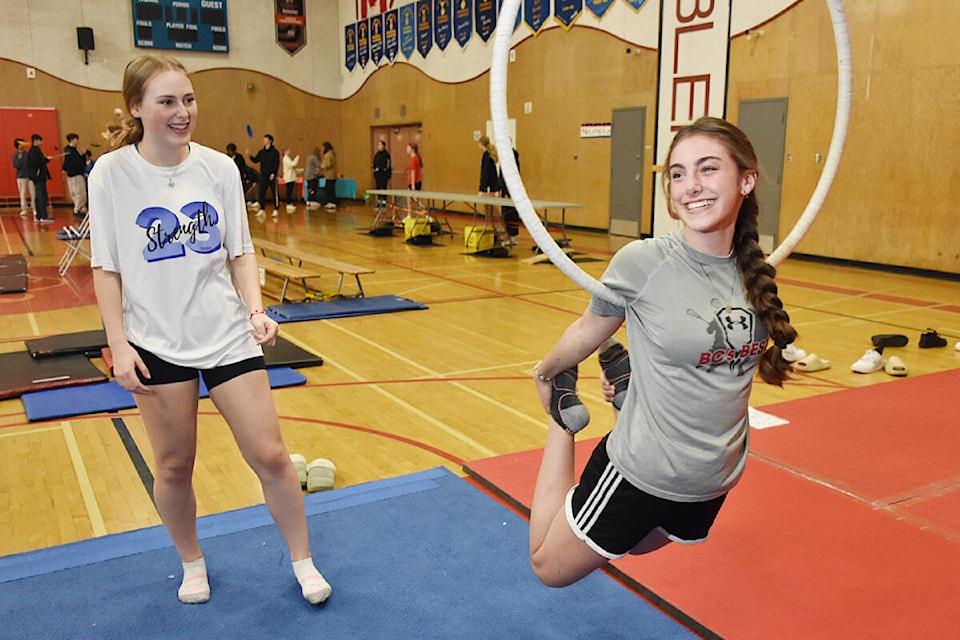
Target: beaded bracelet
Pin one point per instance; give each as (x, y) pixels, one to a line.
(536, 372)
(256, 312)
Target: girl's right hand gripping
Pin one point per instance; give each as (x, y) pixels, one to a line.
(126, 362)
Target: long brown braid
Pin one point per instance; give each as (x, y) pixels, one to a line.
(758, 274)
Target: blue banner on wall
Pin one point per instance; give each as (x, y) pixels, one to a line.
(408, 30)
(535, 13)
(636, 4)
(424, 27)
(463, 21)
(350, 46)
(599, 7)
(486, 18)
(363, 43)
(566, 12)
(376, 39)
(391, 35)
(442, 23)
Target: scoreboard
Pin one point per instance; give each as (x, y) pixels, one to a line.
(182, 25)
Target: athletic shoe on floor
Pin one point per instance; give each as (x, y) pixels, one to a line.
(792, 354)
(565, 406)
(615, 362)
(870, 361)
(932, 339)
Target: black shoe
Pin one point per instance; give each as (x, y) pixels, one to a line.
(932, 339)
(615, 362)
(565, 406)
(890, 340)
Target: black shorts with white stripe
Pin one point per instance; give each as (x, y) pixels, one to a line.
(612, 516)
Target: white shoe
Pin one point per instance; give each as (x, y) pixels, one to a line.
(291, 208)
(255, 206)
(330, 206)
(24, 213)
(869, 362)
(313, 205)
(275, 213)
(792, 354)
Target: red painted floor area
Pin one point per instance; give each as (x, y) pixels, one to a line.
(845, 524)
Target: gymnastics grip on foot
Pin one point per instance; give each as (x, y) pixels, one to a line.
(615, 362)
(565, 407)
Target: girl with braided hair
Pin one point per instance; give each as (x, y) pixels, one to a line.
(701, 305)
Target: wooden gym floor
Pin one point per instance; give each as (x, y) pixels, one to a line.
(398, 392)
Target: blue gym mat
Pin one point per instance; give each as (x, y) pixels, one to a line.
(420, 556)
(109, 396)
(341, 308)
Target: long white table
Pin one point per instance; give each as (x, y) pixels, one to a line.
(439, 200)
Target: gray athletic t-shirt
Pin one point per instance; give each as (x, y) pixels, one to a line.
(694, 344)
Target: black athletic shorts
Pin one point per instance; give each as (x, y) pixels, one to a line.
(163, 372)
(612, 516)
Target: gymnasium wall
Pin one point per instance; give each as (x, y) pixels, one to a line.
(889, 203)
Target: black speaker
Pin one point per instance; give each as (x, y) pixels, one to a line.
(85, 38)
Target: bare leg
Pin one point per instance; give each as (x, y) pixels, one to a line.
(557, 556)
(170, 417)
(247, 405)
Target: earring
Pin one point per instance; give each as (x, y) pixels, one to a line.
(744, 191)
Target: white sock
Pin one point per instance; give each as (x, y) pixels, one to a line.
(312, 585)
(194, 589)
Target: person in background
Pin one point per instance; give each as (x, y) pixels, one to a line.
(700, 305)
(269, 159)
(328, 168)
(187, 307)
(311, 178)
(24, 184)
(489, 176)
(73, 166)
(39, 173)
(290, 179)
(382, 168)
(88, 163)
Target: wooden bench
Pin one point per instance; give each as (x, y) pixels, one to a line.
(288, 272)
(305, 262)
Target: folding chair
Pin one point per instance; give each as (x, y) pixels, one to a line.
(76, 239)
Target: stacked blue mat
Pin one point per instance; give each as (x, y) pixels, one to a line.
(341, 308)
(110, 396)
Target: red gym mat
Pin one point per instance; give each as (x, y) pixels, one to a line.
(808, 546)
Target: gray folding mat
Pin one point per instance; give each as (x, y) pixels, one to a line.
(22, 373)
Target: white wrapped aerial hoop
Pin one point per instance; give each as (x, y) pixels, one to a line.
(840, 124)
(546, 243)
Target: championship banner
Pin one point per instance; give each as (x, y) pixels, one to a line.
(463, 21)
(350, 46)
(291, 25)
(694, 52)
(363, 43)
(636, 4)
(376, 39)
(424, 27)
(391, 34)
(599, 7)
(408, 30)
(486, 18)
(566, 12)
(535, 14)
(442, 23)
